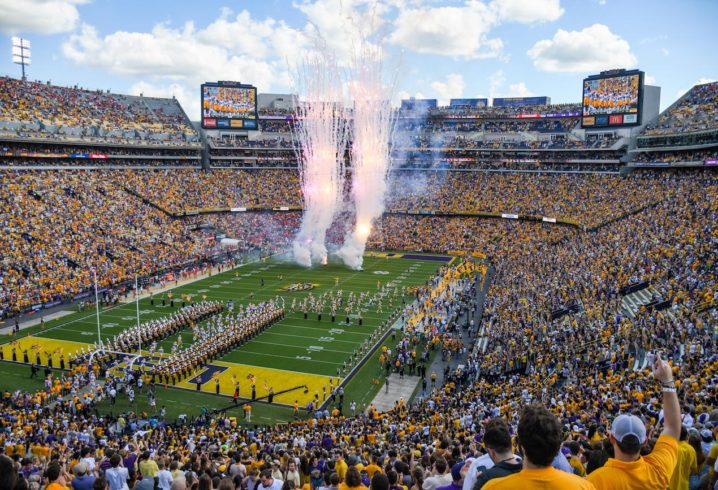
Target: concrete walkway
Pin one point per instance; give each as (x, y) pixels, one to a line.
(398, 388)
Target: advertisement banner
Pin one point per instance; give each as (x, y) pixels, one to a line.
(548, 220)
(510, 216)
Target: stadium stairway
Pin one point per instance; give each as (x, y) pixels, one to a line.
(398, 388)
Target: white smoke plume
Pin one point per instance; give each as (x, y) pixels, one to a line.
(372, 127)
(320, 141)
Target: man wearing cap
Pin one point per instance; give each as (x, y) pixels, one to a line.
(82, 480)
(540, 437)
(628, 469)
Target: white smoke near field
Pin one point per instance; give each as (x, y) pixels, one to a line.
(321, 139)
(371, 131)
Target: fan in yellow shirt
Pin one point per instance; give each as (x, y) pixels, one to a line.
(628, 470)
(540, 436)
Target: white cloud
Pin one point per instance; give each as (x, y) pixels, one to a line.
(519, 90)
(528, 11)
(184, 55)
(650, 80)
(496, 81)
(38, 16)
(591, 49)
(189, 100)
(461, 32)
(701, 81)
(341, 25)
(452, 88)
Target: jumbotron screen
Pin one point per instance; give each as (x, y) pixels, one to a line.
(612, 99)
(229, 105)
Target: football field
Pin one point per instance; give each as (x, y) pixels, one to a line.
(292, 354)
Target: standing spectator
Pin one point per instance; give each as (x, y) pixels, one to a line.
(82, 480)
(628, 469)
(439, 476)
(118, 475)
(56, 477)
(268, 482)
(164, 476)
(687, 463)
(540, 437)
(497, 440)
(8, 473)
(292, 474)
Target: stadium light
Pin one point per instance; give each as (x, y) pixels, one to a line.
(21, 53)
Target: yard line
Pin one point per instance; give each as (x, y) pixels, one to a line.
(301, 347)
(324, 329)
(309, 338)
(287, 357)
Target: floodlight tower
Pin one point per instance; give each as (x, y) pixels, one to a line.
(21, 54)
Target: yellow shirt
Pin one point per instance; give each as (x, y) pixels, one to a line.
(149, 468)
(371, 469)
(687, 464)
(577, 466)
(541, 479)
(652, 471)
(341, 468)
(712, 455)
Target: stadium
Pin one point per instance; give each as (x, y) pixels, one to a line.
(337, 286)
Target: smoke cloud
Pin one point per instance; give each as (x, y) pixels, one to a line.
(372, 126)
(321, 142)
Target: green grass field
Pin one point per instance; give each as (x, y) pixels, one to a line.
(298, 349)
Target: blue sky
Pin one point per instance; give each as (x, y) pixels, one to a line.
(440, 49)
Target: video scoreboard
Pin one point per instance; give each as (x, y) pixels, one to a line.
(229, 105)
(612, 99)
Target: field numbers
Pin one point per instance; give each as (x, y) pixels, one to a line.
(315, 348)
(326, 339)
(109, 325)
(303, 358)
(336, 331)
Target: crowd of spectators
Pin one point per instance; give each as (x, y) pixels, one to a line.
(589, 199)
(185, 189)
(39, 110)
(59, 225)
(550, 389)
(696, 156)
(697, 111)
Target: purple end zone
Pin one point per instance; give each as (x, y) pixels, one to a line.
(433, 258)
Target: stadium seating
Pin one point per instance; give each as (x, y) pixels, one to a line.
(696, 111)
(557, 328)
(37, 110)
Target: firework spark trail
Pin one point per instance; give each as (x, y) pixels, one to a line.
(320, 141)
(372, 127)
